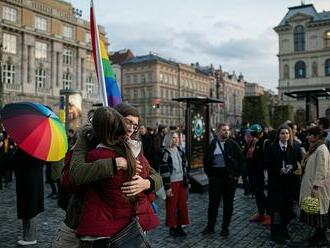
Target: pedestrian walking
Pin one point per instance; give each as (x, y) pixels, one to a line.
(29, 193)
(254, 154)
(223, 163)
(282, 160)
(316, 183)
(173, 169)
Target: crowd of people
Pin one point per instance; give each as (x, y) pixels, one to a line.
(115, 168)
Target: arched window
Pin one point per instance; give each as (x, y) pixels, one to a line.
(327, 67)
(300, 69)
(327, 39)
(299, 38)
(286, 72)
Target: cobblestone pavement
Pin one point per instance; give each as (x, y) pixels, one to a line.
(242, 233)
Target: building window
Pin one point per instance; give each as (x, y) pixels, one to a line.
(67, 32)
(327, 67)
(90, 85)
(88, 38)
(327, 39)
(40, 23)
(299, 38)
(314, 69)
(8, 73)
(9, 43)
(67, 81)
(135, 94)
(9, 14)
(67, 56)
(40, 78)
(41, 50)
(300, 69)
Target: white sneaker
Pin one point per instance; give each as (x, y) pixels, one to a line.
(23, 242)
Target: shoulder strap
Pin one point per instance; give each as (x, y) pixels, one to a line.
(223, 152)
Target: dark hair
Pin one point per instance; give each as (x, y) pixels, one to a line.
(316, 131)
(324, 122)
(126, 109)
(220, 125)
(110, 129)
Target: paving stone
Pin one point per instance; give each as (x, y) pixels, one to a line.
(242, 233)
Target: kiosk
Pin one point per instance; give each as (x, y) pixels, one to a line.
(198, 135)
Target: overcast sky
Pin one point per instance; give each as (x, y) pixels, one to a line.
(236, 34)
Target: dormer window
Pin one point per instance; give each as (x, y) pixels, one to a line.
(327, 39)
(299, 38)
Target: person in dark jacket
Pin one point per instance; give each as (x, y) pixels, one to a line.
(223, 163)
(283, 158)
(174, 173)
(29, 193)
(254, 154)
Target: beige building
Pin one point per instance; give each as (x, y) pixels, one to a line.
(304, 54)
(151, 82)
(228, 88)
(46, 48)
(254, 89)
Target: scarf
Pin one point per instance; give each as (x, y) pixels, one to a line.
(312, 149)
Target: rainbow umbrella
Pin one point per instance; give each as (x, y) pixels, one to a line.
(36, 130)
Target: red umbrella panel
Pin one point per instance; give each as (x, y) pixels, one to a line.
(36, 130)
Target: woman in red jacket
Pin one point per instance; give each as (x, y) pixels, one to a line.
(106, 210)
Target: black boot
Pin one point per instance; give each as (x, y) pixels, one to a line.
(173, 232)
(180, 232)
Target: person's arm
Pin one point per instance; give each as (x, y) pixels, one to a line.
(164, 171)
(151, 184)
(84, 173)
(320, 169)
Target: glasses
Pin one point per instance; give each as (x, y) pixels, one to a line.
(132, 124)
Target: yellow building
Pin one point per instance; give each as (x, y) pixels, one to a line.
(45, 48)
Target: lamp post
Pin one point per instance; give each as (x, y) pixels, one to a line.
(1, 83)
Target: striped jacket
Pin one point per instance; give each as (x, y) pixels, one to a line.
(166, 168)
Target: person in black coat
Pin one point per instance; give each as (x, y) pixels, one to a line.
(29, 193)
(223, 163)
(282, 159)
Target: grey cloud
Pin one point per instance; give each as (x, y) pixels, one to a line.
(226, 25)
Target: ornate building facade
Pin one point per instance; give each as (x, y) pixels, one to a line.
(46, 48)
(151, 82)
(304, 54)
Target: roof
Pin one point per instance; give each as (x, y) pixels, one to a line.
(198, 99)
(313, 93)
(147, 58)
(121, 56)
(307, 9)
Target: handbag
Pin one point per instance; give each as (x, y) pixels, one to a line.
(311, 205)
(132, 236)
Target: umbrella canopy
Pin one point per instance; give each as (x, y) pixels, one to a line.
(36, 130)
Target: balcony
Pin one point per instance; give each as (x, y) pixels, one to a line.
(45, 91)
(12, 87)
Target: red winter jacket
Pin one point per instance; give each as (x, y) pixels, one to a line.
(106, 210)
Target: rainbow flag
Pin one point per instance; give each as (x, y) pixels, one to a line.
(107, 80)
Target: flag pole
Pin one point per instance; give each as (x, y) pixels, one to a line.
(97, 55)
